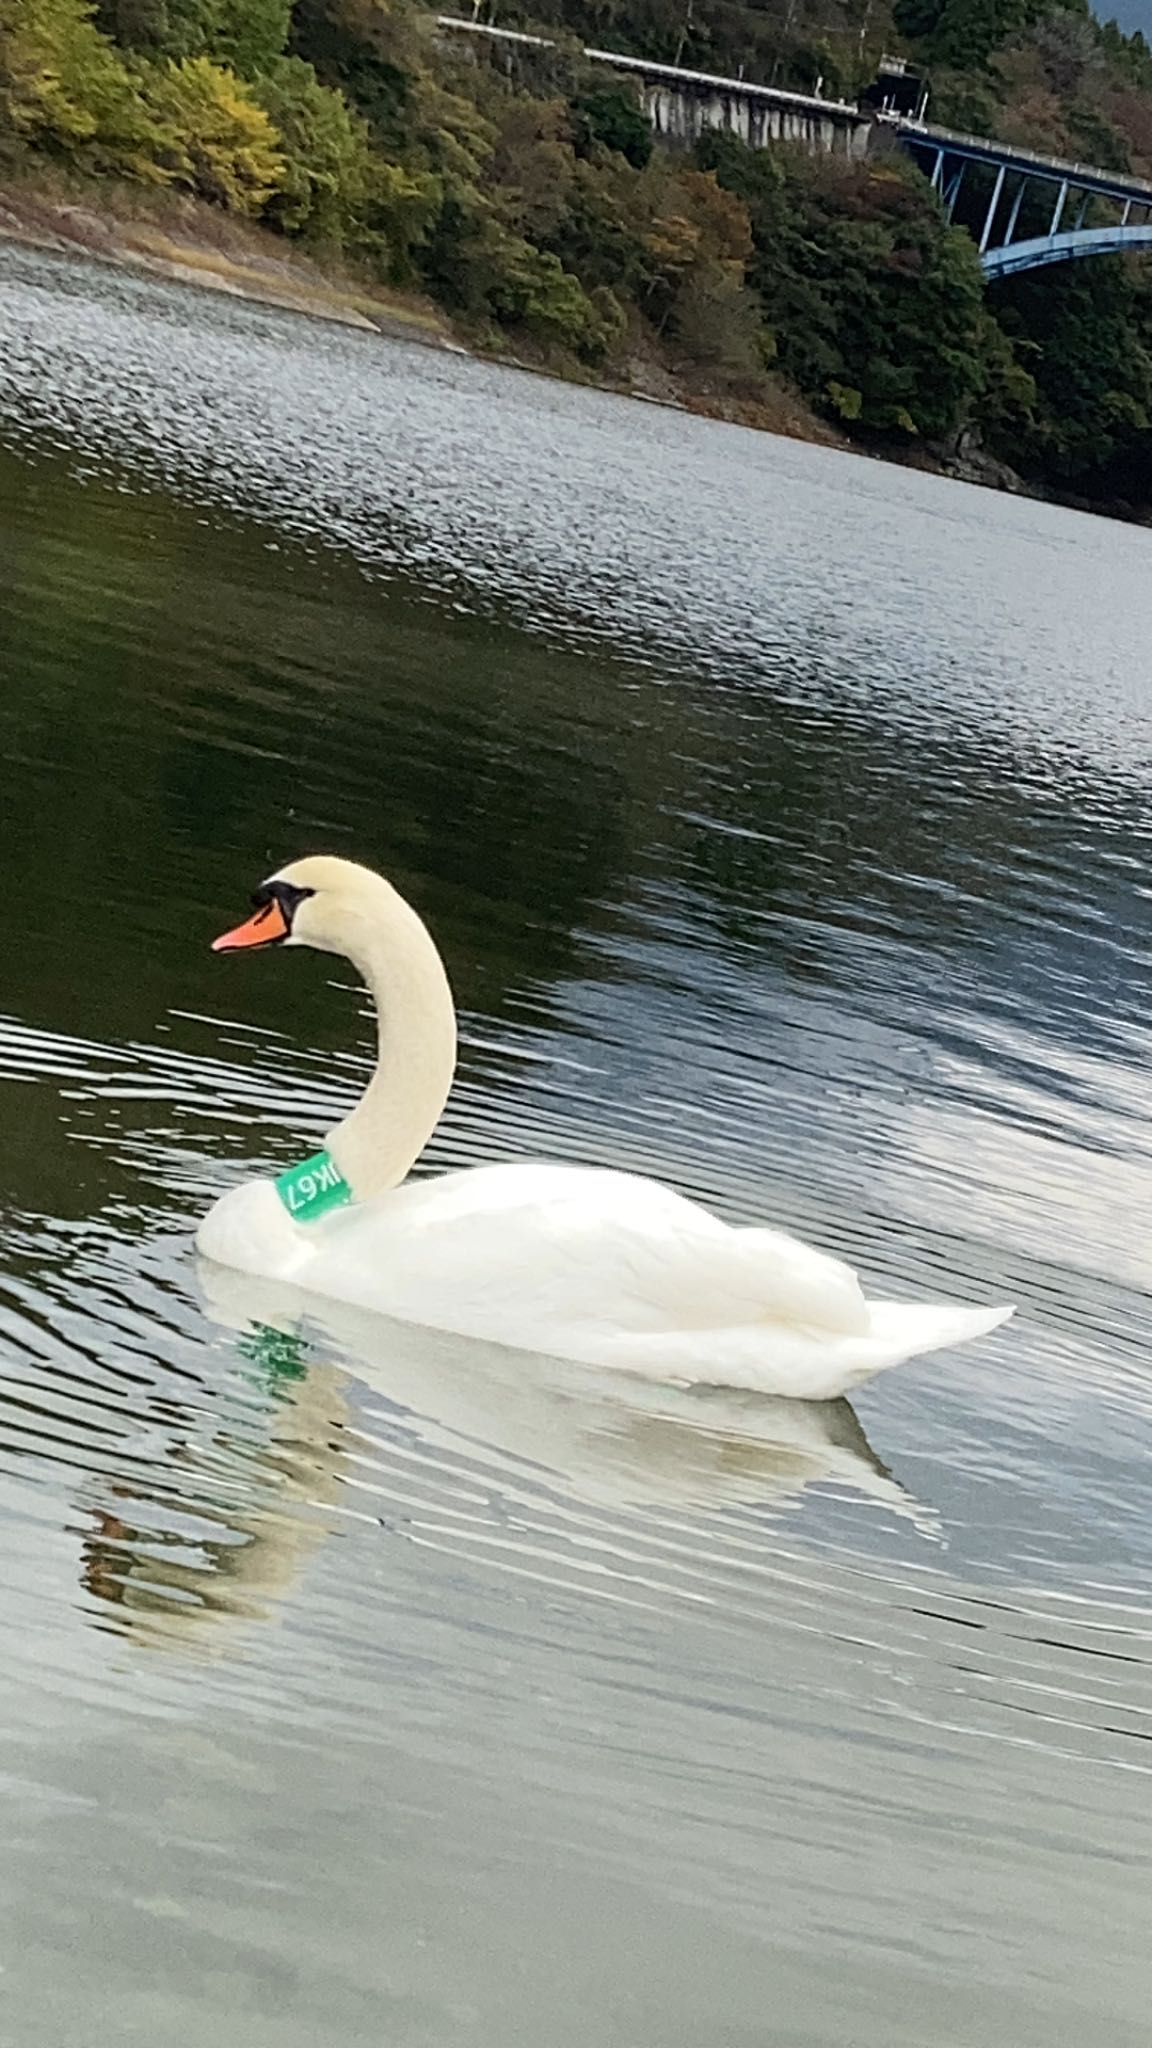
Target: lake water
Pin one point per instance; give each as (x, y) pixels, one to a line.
(784, 819)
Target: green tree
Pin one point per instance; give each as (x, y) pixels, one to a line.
(532, 289)
(1085, 334)
(64, 89)
(246, 35)
(135, 24)
(876, 305)
(370, 51)
(963, 34)
(612, 118)
(328, 171)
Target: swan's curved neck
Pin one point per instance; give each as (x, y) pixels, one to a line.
(378, 1143)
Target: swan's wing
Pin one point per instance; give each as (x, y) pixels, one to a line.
(610, 1251)
(792, 1283)
(632, 1245)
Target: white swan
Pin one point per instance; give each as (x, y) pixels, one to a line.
(580, 1262)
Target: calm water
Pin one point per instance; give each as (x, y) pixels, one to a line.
(785, 823)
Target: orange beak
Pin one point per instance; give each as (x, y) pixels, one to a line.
(265, 929)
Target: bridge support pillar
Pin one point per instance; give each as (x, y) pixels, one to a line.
(952, 193)
(993, 203)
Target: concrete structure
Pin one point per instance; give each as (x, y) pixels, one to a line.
(682, 104)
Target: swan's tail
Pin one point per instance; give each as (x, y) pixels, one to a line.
(898, 1331)
(911, 1327)
(804, 1363)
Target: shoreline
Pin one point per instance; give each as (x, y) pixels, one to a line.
(242, 264)
(185, 242)
(190, 244)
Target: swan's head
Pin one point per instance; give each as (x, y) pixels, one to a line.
(333, 905)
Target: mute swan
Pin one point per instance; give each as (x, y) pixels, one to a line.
(579, 1262)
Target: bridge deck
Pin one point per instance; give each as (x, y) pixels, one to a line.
(1029, 162)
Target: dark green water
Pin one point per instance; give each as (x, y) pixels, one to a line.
(784, 820)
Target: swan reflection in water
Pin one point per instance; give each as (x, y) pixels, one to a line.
(502, 1424)
(222, 1532)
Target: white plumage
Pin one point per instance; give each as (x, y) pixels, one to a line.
(608, 1268)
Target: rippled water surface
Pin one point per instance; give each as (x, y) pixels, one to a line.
(784, 820)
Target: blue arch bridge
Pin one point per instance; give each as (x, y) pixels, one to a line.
(993, 183)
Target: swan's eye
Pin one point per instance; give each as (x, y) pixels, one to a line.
(275, 904)
(286, 897)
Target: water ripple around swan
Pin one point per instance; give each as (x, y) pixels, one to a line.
(362, 1683)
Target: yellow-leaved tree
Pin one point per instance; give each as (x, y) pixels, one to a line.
(66, 90)
(215, 139)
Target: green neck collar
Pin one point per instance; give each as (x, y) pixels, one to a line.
(311, 1189)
